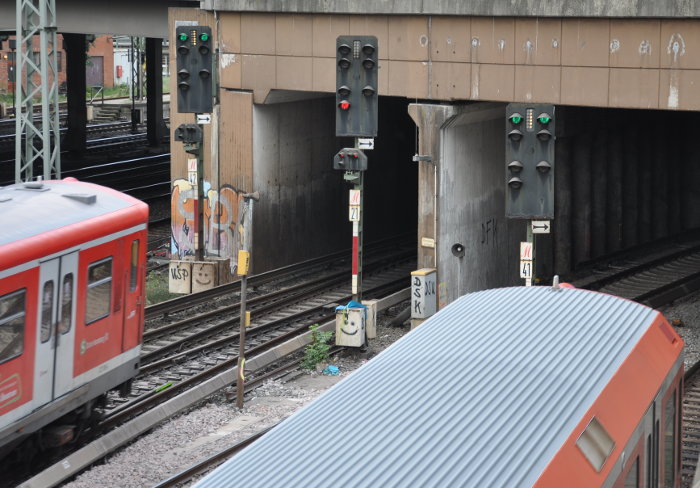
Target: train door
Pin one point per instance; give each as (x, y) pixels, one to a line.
(56, 328)
(650, 443)
(133, 293)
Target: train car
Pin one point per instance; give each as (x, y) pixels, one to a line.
(512, 387)
(72, 279)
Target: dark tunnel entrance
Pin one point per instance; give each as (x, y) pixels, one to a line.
(623, 178)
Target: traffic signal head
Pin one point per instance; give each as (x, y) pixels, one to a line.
(530, 161)
(350, 159)
(194, 65)
(356, 95)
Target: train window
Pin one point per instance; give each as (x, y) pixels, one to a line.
(12, 318)
(99, 291)
(670, 440)
(595, 443)
(134, 268)
(655, 458)
(650, 460)
(46, 310)
(66, 303)
(632, 478)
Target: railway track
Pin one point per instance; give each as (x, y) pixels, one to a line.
(287, 274)
(188, 344)
(656, 280)
(7, 140)
(191, 349)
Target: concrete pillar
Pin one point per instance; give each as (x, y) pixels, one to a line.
(562, 204)
(76, 135)
(581, 177)
(630, 188)
(615, 174)
(644, 196)
(675, 171)
(599, 190)
(155, 126)
(691, 171)
(659, 175)
(429, 119)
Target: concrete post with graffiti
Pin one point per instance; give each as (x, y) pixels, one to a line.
(220, 216)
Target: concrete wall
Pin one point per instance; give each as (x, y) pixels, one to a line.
(472, 205)
(125, 17)
(302, 211)
(632, 63)
(525, 8)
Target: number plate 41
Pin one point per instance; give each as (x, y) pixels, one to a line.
(525, 269)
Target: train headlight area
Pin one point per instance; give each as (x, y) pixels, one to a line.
(545, 387)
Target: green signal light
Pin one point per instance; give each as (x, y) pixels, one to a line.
(516, 118)
(183, 37)
(204, 37)
(544, 119)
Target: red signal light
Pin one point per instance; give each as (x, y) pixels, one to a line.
(344, 105)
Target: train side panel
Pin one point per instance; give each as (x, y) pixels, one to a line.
(18, 299)
(98, 334)
(134, 279)
(71, 301)
(621, 412)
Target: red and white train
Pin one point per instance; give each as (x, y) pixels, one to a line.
(513, 387)
(72, 280)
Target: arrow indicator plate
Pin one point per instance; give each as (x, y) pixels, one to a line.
(541, 226)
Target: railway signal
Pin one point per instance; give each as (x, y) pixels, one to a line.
(356, 96)
(530, 161)
(350, 159)
(529, 134)
(194, 69)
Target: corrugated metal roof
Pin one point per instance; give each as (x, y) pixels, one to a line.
(29, 212)
(483, 394)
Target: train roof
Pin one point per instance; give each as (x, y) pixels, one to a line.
(30, 209)
(484, 393)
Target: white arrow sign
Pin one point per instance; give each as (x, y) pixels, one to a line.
(365, 143)
(204, 118)
(541, 226)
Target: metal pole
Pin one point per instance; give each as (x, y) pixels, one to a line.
(358, 178)
(240, 379)
(245, 227)
(199, 232)
(531, 238)
(357, 235)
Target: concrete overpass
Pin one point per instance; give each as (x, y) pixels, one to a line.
(125, 17)
(621, 74)
(495, 8)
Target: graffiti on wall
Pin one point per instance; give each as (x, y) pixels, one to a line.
(220, 217)
(220, 211)
(183, 206)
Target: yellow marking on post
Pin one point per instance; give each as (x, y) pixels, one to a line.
(243, 262)
(242, 369)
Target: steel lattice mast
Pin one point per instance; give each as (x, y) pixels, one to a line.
(37, 76)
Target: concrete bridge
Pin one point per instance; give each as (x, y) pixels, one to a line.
(621, 74)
